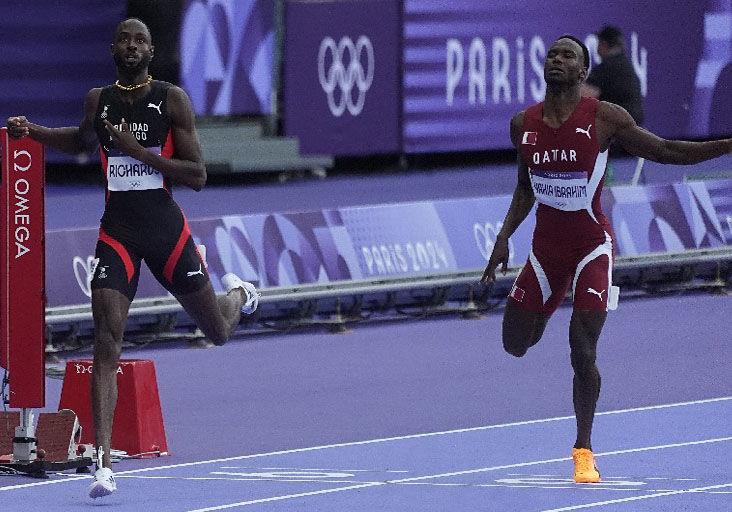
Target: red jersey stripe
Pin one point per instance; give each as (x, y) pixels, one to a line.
(103, 156)
(175, 255)
(167, 151)
(121, 251)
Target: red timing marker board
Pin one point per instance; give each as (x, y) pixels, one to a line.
(22, 270)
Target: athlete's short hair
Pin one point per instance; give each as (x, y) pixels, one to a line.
(131, 18)
(585, 51)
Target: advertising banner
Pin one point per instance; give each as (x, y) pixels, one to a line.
(226, 51)
(397, 240)
(341, 76)
(470, 65)
(22, 264)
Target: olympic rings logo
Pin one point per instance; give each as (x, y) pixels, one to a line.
(345, 75)
(485, 238)
(84, 272)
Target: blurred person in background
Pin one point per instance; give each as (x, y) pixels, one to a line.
(615, 80)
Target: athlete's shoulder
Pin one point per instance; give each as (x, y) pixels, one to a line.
(518, 119)
(175, 94)
(613, 114)
(94, 93)
(534, 112)
(517, 126)
(168, 87)
(91, 99)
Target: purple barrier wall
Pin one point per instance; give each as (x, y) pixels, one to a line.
(226, 55)
(53, 53)
(469, 65)
(341, 76)
(281, 249)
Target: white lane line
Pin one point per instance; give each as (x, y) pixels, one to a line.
(45, 482)
(636, 498)
(245, 479)
(550, 461)
(459, 473)
(381, 440)
(430, 434)
(589, 487)
(592, 487)
(289, 497)
(319, 469)
(584, 487)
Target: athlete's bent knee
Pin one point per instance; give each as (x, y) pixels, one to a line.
(515, 349)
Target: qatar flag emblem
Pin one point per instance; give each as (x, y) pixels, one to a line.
(529, 138)
(517, 293)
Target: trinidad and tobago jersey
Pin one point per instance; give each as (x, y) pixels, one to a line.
(135, 191)
(567, 173)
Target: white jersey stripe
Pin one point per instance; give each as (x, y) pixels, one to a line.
(546, 289)
(597, 173)
(605, 248)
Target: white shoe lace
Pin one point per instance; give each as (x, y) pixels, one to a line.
(250, 306)
(103, 484)
(232, 281)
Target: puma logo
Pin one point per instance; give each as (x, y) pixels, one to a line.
(196, 272)
(595, 292)
(586, 132)
(156, 107)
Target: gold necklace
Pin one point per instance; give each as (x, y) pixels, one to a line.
(134, 87)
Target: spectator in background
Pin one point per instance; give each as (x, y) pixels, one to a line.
(614, 80)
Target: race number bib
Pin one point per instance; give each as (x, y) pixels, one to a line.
(563, 190)
(125, 173)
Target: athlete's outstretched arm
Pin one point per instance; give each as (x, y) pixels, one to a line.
(642, 143)
(186, 166)
(521, 204)
(69, 139)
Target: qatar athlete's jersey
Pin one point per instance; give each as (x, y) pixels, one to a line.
(567, 172)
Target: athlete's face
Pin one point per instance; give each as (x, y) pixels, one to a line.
(132, 47)
(564, 64)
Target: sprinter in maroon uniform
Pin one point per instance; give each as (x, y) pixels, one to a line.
(562, 145)
(147, 140)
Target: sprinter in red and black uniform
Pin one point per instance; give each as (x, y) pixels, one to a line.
(141, 220)
(148, 142)
(562, 146)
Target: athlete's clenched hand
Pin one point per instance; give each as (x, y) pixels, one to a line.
(18, 127)
(499, 256)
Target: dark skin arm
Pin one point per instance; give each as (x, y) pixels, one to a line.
(186, 166)
(521, 204)
(615, 122)
(69, 139)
